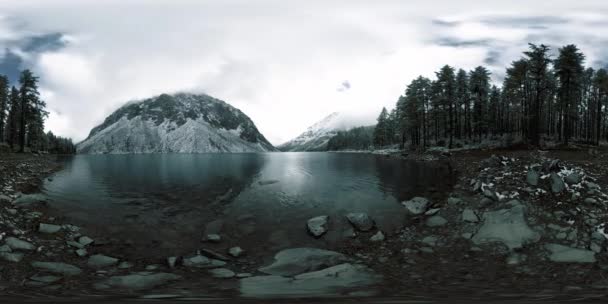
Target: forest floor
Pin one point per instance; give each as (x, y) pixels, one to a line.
(522, 225)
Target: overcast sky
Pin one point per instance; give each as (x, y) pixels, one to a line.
(286, 64)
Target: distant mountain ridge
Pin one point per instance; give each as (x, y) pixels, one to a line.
(315, 138)
(177, 123)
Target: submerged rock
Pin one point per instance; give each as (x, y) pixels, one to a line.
(561, 253)
(417, 205)
(295, 261)
(60, 268)
(361, 221)
(327, 282)
(138, 281)
(101, 261)
(17, 244)
(508, 226)
(317, 226)
(30, 201)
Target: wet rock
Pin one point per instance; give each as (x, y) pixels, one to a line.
(45, 279)
(30, 201)
(453, 201)
(17, 244)
(532, 177)
(214, 255)
(432, 212)
(468, 215)
(490, 194)
(101, 261)
(430, 240)
(557, 184)
(361, 221)
(125, 265)
(214, 238)
(75, 244)
(436, 221)
(507, 226)
(561, 253)
(5, 248)
(139, 281)
(85, 240)
(48, 228)
(595, 248)
(172, 262)
(378, 237)
(81, 252)
(317, 226)
(516, 258)
(59, 268)
(244, 275)
(13, 257)
(573, 178)
(236, 251)
(327, 282)
(590, 200)
(417, 205)
(295, 261)
(4, 199)
(222, 273)
(477, 186)
(592, 186)
(200, 261)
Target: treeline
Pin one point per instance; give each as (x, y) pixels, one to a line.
(22, 115)
(359, 138)
(541, 99)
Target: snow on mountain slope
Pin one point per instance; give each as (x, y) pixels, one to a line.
(179, 123)
(315, 138)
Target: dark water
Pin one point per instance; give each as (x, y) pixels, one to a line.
(161, 203)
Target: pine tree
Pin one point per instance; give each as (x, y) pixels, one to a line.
(4, 102)
(32, 111)
(463, 102)
(480, 86)
(538, 64)
(601, 93)
(381, 130)
(569, 69)
(13, 120)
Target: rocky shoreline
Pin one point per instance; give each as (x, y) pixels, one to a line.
(517, 224)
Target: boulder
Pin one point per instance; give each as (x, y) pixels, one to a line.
(436, 221)
(557, 184)
(508, 226)
(138, 281)
(85, 240)
(378, 237)
(222, 273)
(332, 281)
(48, 228)
(561, 253)
(361, 221)
(317, 226)
(573, 178)
(417, 205)
(290, 262)
(532, 177)
(59, 268)
(17, 244)
(236, 251)
(30, 201)
(101, 261)
(468, 215)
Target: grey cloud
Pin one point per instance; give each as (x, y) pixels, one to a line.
(532, 22)
(457, 42)
(344, 86)
(444, 23)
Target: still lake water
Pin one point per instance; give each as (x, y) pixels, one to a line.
(160, 204)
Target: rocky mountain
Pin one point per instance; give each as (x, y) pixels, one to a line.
(315, 138)
(179, 123)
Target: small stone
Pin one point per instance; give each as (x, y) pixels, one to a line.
(47, 279)
(573, 178)
(138, 281)
(361, 221)
(430, 240)
(595, 248)
(152, 267)
(125, 265)
(433, 211)
(436, 221)
(454, 201)
(236, 251)
(85, 240)
(75, 244)
(592, 186)
(214, 238)
(557, 184)
(172, 261)
(561, 253)
(378, 237)
(244, 275)
(101, 261)
(17, 244)
(417, 205)
(468, 215)
(81, 252)
(427, 250)
(515, 258)
(317, 226)
(11, 211)
(590, 200)
(490, 194)
(11, 257)
(5, 248)
(532, 177)
(222, 273)
(48, 228)
(60, 268)
(467, 235)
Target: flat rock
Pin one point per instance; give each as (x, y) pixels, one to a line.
(361, 221)
(468, 215)
(508, 226)
(295, 261)
(140, 281)
(557, 184)
(101, 261)
(13, 257)
(85, 240)
(214, 255)
(573, 178)
(200, 261)
(59, 268)
(30, 201)
(17, 244)
(331, 281)
(214, 238)
(222, 273)
(417, 205)
(81, 252)
(47, 279)
(48, 228)
(236, 251)
(561, 253)
(436, 221)
(317, 226)
(5, 248)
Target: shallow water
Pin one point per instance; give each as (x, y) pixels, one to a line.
(164, 201)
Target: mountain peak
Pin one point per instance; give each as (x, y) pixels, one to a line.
(316, 136)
